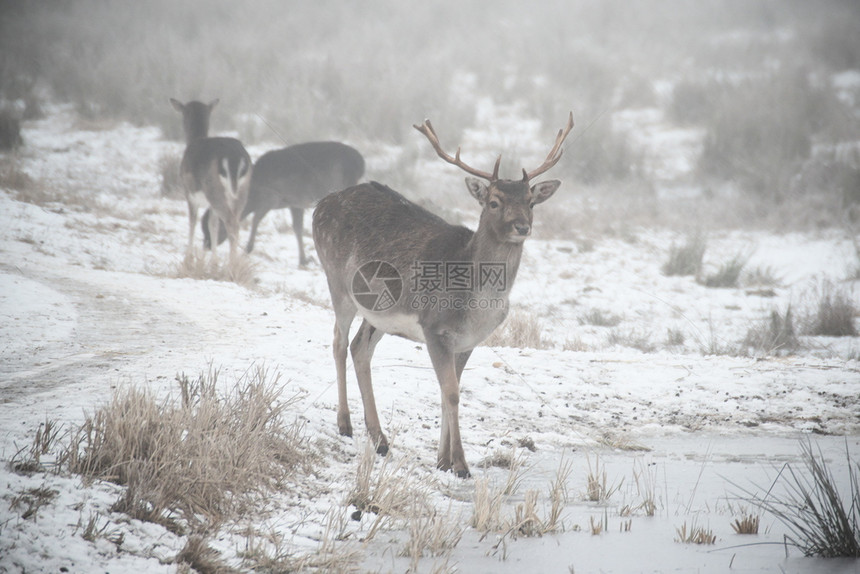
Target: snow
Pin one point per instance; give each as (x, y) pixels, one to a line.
(89, 302)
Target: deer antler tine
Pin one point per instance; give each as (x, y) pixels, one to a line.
(427, 129)
(496, 168)
(556, 152)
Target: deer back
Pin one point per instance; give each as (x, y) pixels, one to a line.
(302, 174)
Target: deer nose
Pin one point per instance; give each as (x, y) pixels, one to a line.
(522, 228)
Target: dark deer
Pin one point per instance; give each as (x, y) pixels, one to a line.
(297, 177)
(391, 261)
(215, 172)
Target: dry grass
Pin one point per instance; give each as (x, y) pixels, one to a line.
(729, 273)
(834, 314)
(521, 330)
(29, 459)
(645, 477)
(202, 459)
(774, 335)
(598, 488)
(239, 269)
(821, 520)
(431, 533)
(686, 259)
(31, 500)
(599, 318)
(695, 535)
(747, 524)
(387, 488)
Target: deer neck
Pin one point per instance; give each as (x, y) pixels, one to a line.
(485, 247)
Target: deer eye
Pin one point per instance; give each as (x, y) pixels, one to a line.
(494, 204)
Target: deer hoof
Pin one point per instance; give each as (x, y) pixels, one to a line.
(382, 449)
(464, 474)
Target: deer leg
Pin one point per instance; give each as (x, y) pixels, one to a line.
(214, 224)
(444, 460)
(192, 223)
(204, 227)
(343, 319)
(362, 347)
(258, 216)
(298, 229)
(451, 455)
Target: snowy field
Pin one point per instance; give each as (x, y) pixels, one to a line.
(90, 302)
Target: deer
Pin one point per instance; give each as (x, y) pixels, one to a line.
(297, 176)
(386, 258)
(215, 172)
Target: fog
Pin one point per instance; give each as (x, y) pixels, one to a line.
(756, 84)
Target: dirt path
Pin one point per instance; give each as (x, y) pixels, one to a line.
(111, 330)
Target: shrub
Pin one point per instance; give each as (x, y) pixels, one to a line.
(10, 130)
(762, 130)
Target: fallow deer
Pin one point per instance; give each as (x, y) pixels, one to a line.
(407, 272)
(297, 177)
(215, 172)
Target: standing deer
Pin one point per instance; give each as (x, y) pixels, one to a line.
(369, 238)
(215, 172)
(297, 177)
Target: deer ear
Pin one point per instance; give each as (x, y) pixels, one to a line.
(177, 105)
(214, 103)
(544, 190)
(478, 189)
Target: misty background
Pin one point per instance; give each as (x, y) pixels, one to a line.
(687, 113)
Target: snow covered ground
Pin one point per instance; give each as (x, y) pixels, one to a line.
(89, 302)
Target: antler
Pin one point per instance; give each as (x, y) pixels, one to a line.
(555, 153)
(427, 129)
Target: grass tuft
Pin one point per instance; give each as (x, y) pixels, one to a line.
(520, 330)
(821, 520)
(729, 273)
(835, 313)
(774, 335)
(695, 535)
(239, 269)
(686, 259)
(199, 459)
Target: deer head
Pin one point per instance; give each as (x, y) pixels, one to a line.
(507, 204)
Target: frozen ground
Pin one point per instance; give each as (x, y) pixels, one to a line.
(89, 302)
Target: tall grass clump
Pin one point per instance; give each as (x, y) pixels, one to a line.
(774, 334)
(520, 330)
(201, 458)
(729, 273)
(687, 258)
(834, 314)
(822, 521)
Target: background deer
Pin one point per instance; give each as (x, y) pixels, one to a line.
(215, 172)
(375, 245)
(297, 177)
